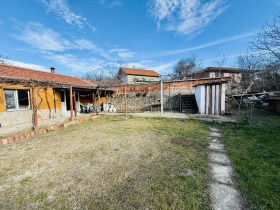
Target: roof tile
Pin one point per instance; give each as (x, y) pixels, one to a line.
(132, 71)
(23, 73)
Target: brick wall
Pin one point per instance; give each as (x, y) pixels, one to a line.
(170, 88)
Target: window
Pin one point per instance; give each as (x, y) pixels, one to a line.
(17, 99)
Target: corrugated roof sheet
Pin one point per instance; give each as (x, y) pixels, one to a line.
(28, 74)
(131, 71)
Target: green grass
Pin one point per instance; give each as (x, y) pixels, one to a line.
(255, 153)
(109, 163)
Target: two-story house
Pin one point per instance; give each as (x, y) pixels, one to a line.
(132, 76)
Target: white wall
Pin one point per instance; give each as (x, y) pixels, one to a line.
(216, 99)
(200, 98)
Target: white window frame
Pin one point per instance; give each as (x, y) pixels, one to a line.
(16, 100)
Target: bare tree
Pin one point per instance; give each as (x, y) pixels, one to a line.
(253, 64)
(184, 67)
(3, 59)
(268, 39)
(105, 77)
(221, 60)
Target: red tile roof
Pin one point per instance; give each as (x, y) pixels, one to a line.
(12, 72)
(131, 71)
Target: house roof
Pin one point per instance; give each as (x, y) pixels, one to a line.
(18, 73)
(141, 72)
(225, 70)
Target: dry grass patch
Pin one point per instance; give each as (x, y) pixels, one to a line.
(109, 163)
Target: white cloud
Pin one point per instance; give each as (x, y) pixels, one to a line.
(27, 65)
(112, 3)
(165, 68)
(62, 10)
(42, 38)
(121, 53)
(84, 44)
(209, 44)
(186, 17)
(75, 64)
(45, 39)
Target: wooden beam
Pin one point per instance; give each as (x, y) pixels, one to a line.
(125, 101)
(71, 103)
(99, 100)
(210, 100)
(75, 108)
(34, 106)
(93, 102)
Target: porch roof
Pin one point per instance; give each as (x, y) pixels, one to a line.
(28, 77)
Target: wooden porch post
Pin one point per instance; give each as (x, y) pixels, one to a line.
(180, 101)
(75, 108)
(99, 100)
(34, 105)
(71, 103)
(93, 102)
(125, 105)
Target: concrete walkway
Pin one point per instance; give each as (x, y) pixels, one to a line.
(212, 118)
(224, 194)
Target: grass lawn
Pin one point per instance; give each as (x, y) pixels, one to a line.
(255, 153)
(110, 163)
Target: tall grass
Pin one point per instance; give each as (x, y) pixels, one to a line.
(255, 152)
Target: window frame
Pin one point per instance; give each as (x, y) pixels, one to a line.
(16, 99)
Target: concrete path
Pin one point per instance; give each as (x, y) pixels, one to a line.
(224, 194)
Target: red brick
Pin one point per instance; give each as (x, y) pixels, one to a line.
(10, 139)
(22, 136)
(16, 137)
(4, 141)
(27, 135)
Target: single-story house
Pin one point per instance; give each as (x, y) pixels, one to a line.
(30, 95)
(132, 76)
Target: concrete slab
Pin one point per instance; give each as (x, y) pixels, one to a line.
(218, 147)
(220, 158)
(215, 130)
(215, 140)
(222, 174)
(225, 197)
(215, 134)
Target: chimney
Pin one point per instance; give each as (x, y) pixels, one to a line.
(52, 70)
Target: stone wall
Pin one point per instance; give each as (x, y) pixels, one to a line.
(145, 103)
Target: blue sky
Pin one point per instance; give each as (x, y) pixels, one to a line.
(76, 36)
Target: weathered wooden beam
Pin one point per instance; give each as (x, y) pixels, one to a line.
(71, 103)
(35, 108)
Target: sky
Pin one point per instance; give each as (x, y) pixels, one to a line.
(79, 36)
